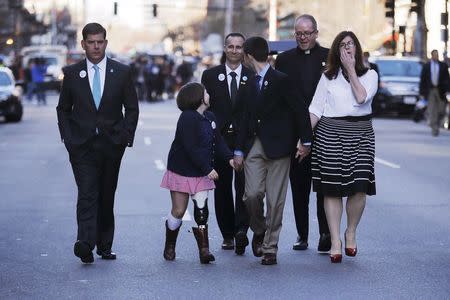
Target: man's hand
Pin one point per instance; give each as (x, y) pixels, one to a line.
(238, 161)
(213, 175)
(302, 152)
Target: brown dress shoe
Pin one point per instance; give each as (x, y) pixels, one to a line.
(269, 259)
(228, 244)
(257, 244)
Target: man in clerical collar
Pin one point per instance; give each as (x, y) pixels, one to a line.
(304, 65)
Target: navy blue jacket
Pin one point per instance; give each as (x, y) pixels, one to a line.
(197, 143)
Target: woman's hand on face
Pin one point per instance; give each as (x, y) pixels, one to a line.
(348, 61)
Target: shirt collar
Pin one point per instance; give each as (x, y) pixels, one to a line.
(101, 65)
(237, 71)
(264, 71)
(309, 51)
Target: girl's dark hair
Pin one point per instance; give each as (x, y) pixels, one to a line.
(334, 56)
(190, 96)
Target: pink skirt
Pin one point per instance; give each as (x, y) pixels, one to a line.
(191, 185)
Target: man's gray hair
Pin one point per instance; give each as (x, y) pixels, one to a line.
(307, 17)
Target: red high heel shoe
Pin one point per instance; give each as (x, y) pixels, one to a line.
(336, 258)
(349, 251)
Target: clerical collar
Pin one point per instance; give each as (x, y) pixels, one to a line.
(307, 52)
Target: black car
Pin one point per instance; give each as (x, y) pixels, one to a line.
(10, 99)
(399, 84)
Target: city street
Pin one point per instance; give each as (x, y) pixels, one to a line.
(403, 239)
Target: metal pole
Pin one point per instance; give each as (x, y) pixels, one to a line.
(229, 17)
(273, 20)
(446, 28)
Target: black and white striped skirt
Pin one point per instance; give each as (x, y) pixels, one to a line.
(343, 156)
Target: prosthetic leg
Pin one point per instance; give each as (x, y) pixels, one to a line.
(201, 213)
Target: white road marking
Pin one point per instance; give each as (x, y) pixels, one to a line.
(187, 216)
(386, 163)
(147, 141)
(160, 165)
(44, 254)
(18, 239)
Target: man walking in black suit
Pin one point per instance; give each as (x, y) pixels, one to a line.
(96, 133)
(304, 65)
(434, 84)
(273, 118)
(224, 84)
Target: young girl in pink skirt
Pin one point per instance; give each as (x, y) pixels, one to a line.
(190, 169)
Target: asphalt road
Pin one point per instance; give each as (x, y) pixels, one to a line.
(403, 238)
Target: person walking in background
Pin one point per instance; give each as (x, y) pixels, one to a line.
(272, 119)
(190, 169)
(304, 66)
(224, 84)
(96, 132)
(38, 71)
(434, 85)
(344, 146)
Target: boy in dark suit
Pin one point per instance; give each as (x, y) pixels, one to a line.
(96, 133)
(225, 84)
(272, 117)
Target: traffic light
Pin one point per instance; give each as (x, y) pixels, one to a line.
(155, 10)
(390, 8)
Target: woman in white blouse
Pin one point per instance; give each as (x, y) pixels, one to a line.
(344, 145)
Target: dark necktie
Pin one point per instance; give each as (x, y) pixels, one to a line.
(233, 87)
(257, 80)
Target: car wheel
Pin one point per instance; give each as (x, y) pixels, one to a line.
(16, 116)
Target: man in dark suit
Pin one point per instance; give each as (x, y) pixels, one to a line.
(273, 118)
(96, 133)
(304, 66)
(225, 84)
(434, 84)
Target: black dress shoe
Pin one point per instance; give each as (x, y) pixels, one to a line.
(324, 243)
(106, 254)
(300, 244)
(269, 259)
(228, 244)
(83, 251)
(257, 244)
(241, 242)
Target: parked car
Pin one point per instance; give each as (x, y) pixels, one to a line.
(399, 84)
(10, 97)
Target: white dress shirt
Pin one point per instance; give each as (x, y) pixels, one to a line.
(229, 78)
(91, 71)
(335, 98)
(434, 68)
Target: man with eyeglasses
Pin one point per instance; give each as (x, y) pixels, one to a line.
(304, 66)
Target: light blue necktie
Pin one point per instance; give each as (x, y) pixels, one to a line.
(96, 89)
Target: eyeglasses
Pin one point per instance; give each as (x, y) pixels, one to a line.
(349, 44)
(306, 34)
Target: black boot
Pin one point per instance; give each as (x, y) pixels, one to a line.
(171, 240)
(201, 235)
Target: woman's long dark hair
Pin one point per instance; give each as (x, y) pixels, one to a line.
(334, 56)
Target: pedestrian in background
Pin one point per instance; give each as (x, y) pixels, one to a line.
(96, 131)
(344, 146)
(225, 83)
(434, 85)
(190, 170)
(304, 66)
(273, 117)
(38, 71)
